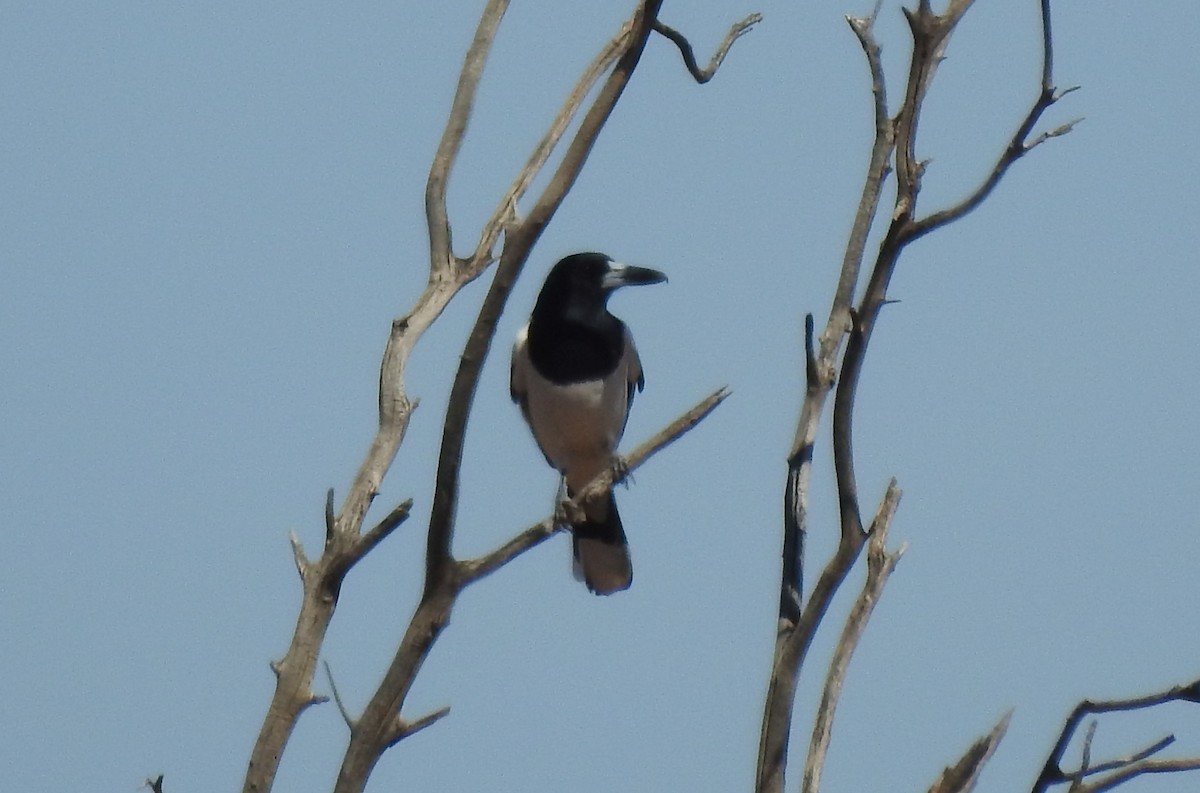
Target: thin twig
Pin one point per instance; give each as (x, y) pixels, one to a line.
(404, 729)
(1144, 767)
(1086, 760)
(381, 530)
(877, 171)
(337, 699)
(702, 76)
(1121, 762)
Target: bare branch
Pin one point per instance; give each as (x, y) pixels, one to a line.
(930, 35)
(894, 137)
(337, 698)
(880, 565)
(791, 647)
(1052, 773)
(441, 253)
(702, 76)
(474, 569)
(796, 627)
(795, 494)
(1086, 761)
(403, 729)
(155, 785)
(962, 776)
(1143, 767)
(376, 728)
(380, 531)
(322, 580)
(395, 408)
(315, 699)
(1057, 132)
(1121, 762)
(878, 169)
(1018, 146)
(819, 366)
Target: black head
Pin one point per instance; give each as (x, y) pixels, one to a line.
(582, 283)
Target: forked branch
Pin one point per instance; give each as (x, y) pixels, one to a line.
(1018, 146)
(441, 253)
(894, 144)
(880, 565)
(1124, 769)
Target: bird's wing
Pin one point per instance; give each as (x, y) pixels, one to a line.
(634, 375)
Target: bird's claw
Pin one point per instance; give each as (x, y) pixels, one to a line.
(568, 513)
(620, 471)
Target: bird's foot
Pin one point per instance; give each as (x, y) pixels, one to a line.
(620, 471)
(568, 513)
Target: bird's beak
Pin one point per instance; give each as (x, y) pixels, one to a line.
(629, 275)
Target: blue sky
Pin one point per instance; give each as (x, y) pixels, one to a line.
(210, 212)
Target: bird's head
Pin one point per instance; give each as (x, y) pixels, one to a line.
(586, 280)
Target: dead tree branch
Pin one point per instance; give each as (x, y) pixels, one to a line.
(1018, 146)
(702, 76)
(1136, 769)
(1087, 769)
(893, 148)
(322, 582)
(1125, 769)
(962, 776)
(880, 564)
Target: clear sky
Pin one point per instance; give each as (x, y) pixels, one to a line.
(210, 212)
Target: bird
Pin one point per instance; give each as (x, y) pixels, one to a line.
(574, 374)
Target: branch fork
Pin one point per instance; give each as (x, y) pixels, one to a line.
(829, 368)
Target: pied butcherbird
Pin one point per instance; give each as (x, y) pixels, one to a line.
(574, 372)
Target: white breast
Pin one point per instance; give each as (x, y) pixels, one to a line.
(577, 426)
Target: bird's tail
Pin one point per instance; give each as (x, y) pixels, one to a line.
(601, 551)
